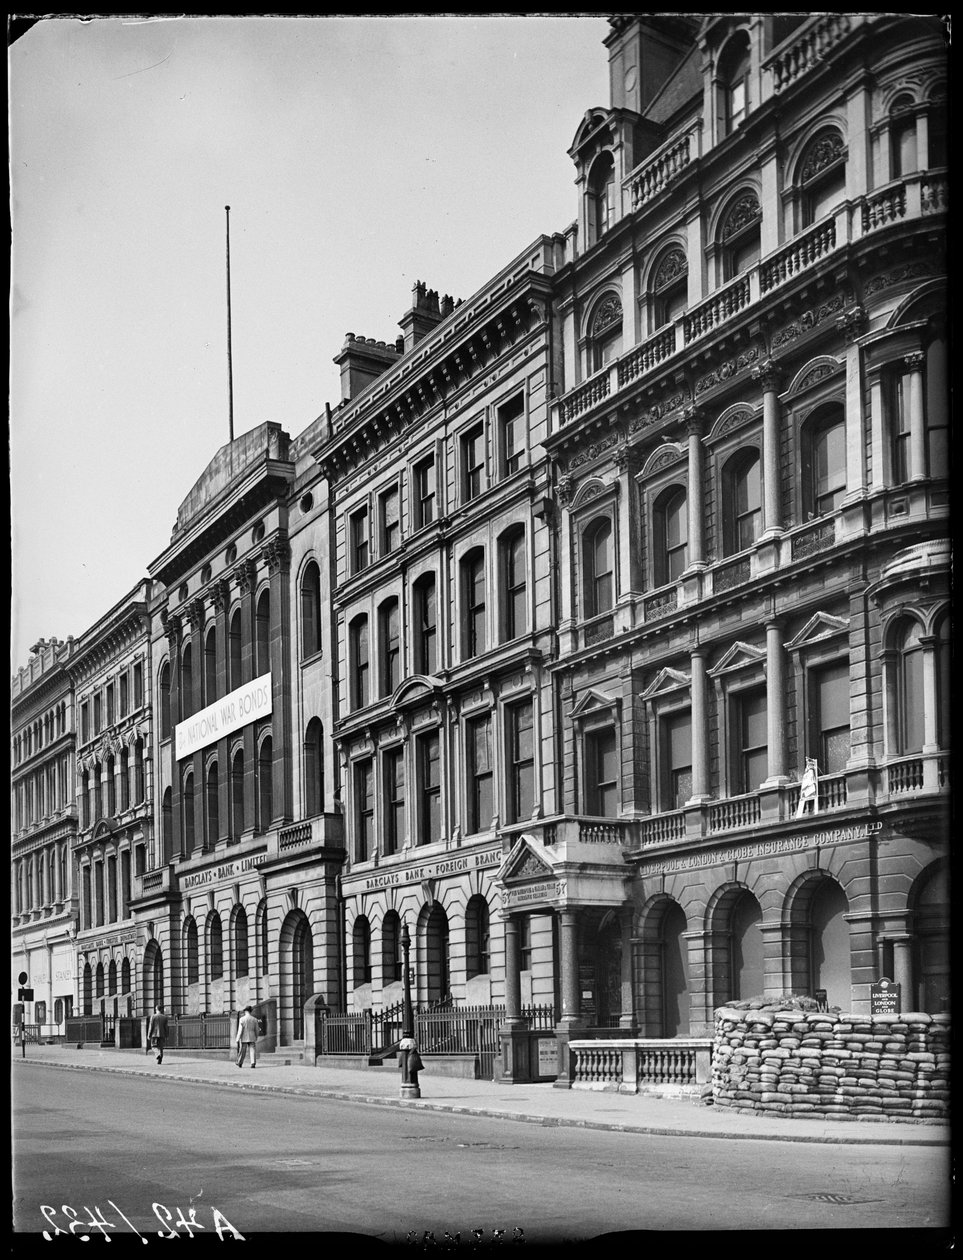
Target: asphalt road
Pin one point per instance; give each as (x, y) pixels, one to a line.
(262, 1163)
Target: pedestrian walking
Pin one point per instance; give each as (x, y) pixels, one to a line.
(157, 1032)
(246, 1037)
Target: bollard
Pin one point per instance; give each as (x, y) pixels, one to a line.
(409, 1063)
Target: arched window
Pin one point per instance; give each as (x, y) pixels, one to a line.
(99, 980)
(167, 828)
(477, 937)
(361, 941)
(909, 688)
(265, 776)
(234, 648)
(165, 701)
(112, 978)
(936, 132)
(733, 84)
(821, 182)
(216, 947)
(98, 792)
(191, 958)
(261, 936)
(240, 942)
(210, 666)
(187, 681)
(740, 235)
(741, 502)
(936, 409)
(85, 799)
(426, 625)
(392, 960)
(943, 694)
(88, 987)
(389, 636)
(311, 610)
(125, 976)
(605, 331)
(313, 768)
(111, 786)
(671, 535)
(139, 789)
(669, 292)
(262, 622)
(904, 156)
(514, 619)
(211, 811)
(474, 637)
(601, 191)
(237, 795)
(358, 661)
(187, 829)
(824, 461)
(124, 778)
(599, 587)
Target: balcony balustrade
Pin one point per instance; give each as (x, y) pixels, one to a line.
(807, 48)
(916, 196)
(660, 169)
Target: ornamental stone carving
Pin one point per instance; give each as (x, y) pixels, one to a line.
(826, 149)
(244, 576)
(277, 555)
(768, 375)
(743, 213)
(607, 313)
(673, 265)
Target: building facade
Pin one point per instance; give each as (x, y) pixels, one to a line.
(43, 827)
(109, 670)
(598, 636)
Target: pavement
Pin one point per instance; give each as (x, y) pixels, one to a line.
(533, 1104)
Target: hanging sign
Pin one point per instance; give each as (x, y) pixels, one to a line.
(240, 707)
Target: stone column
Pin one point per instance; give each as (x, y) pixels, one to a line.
(694, 428)
(851, 326)
(172, 627)
(192, 704)
(775, 704)
(915, 364)
(628, 1018)
(903, 969)
(768, 376)
(246, 578)
(571, 1007)
(699, 725)
(220, 596)
(513, 990)
(277, 554)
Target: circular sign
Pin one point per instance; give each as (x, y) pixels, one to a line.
(23, 978)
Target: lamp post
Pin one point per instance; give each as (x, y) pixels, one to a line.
(407, 1050)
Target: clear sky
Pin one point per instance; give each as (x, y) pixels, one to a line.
(358, 155)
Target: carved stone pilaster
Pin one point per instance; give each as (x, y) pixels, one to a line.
(172, 629)
(852, 323)
(245, 576)
(195, 613)
(220, 596)
(276, 554)
(564, 490)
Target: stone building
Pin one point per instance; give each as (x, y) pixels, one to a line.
(238, 905)
(109, 670)
(750, 450)
(43, 826)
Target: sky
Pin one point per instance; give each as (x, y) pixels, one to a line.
(358, 155)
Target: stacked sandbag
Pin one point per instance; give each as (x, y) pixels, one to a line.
(786, 1057)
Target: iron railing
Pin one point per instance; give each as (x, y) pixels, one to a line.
(199, 1032)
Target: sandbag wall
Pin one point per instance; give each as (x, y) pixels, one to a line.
(779, 1058)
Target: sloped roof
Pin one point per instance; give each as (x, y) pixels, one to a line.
(678, 90)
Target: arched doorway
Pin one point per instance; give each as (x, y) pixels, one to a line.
(748, 973)
(153, 977)
(436, 954)
(675, 972)
(818, 940)
(297, 974)
(931, 961)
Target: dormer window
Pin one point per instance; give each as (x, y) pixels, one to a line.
(605, 332)
(601, 191)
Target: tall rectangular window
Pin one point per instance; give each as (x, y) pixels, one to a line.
(98, 722)
(358, 540)
(358, 648)
(394, 802)
(511, 433)
(138, 685)
(472, 463)
(84, 723)
(473, 594)
(900, 428)
(677, 760)
(601, 773)
(426, 623)
(110, 704)
(429, 785)
(514, 592)
(524, 942)
(364, 809)
(390, 634)
(390, 521)
(751, 739)
(481, 800)
(829, 717)
(123, 695)
(521, 762)
(424, 492)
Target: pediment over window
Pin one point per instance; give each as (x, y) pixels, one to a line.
(589, 126)
(732, 418)
(818, 628)
(527, 860)
(589, 490)
(415, 690)
(668, 454)
(814, 373)
(668, 679)
(739, 656)
(593, 702)
(105, 827)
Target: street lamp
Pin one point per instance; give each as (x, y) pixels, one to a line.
(407, 1050)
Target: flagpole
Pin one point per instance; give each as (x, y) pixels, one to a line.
(230, 367)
